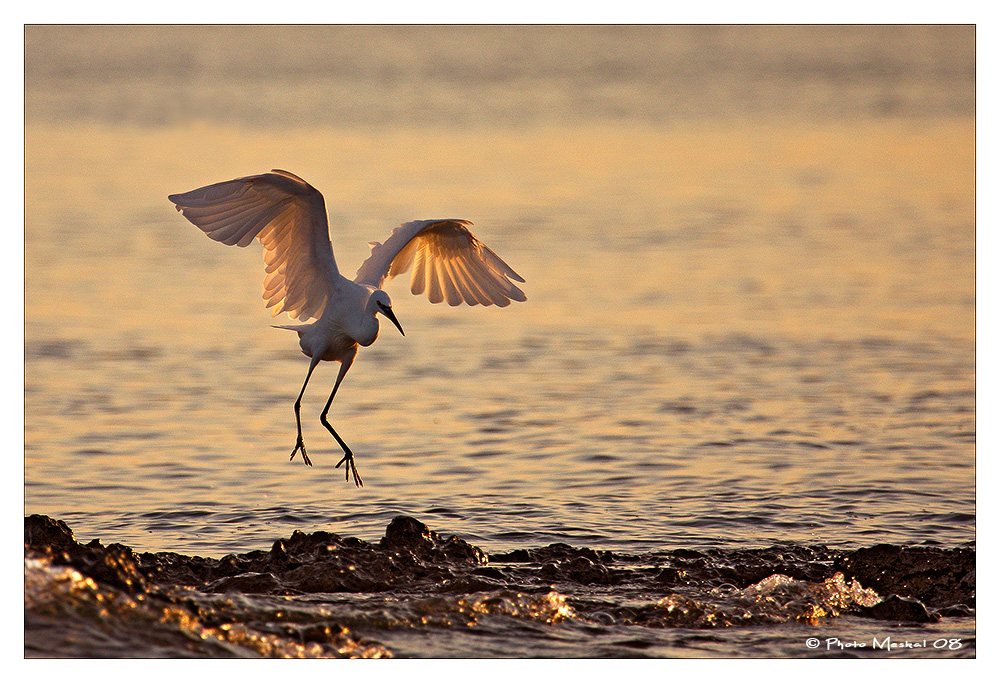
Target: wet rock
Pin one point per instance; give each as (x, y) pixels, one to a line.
(562, 563)
(175, 569)
(555, 552)
(321, 561)
(407, 533)
(670, 576)
(518, 556)
(448, 581)
(115, 565)
(576, 570)
(956, 611)
(303, 545)
(747, 567)
(895, 608)
(411, 556)
(935, 576)
(41, 532)
(687, 554)
(473, 583)
(333, 577)
(489, 572)
(245, 583)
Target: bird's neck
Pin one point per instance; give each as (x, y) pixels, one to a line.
(366, 331)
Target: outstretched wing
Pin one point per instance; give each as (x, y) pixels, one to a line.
(288, 216)
(448, 262)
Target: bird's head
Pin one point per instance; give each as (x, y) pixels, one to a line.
(381, 303)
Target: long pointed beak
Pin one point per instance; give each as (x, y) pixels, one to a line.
(387, 312)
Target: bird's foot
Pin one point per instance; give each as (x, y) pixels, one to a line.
(300, 446)
(351, 469)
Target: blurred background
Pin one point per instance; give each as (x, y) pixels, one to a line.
(750, 265)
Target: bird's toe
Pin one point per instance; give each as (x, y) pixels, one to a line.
(300, 446)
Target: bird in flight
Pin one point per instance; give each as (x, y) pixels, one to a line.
(288, 216)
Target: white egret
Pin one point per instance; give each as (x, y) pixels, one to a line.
(288, 216)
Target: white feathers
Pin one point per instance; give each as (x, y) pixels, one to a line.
(288, 216)
(448, 262)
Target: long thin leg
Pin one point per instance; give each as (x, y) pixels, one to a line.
(348, 455)
(299, 444)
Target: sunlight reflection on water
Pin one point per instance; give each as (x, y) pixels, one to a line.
(737, 330)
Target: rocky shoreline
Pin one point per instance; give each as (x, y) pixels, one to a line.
(913, 584)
